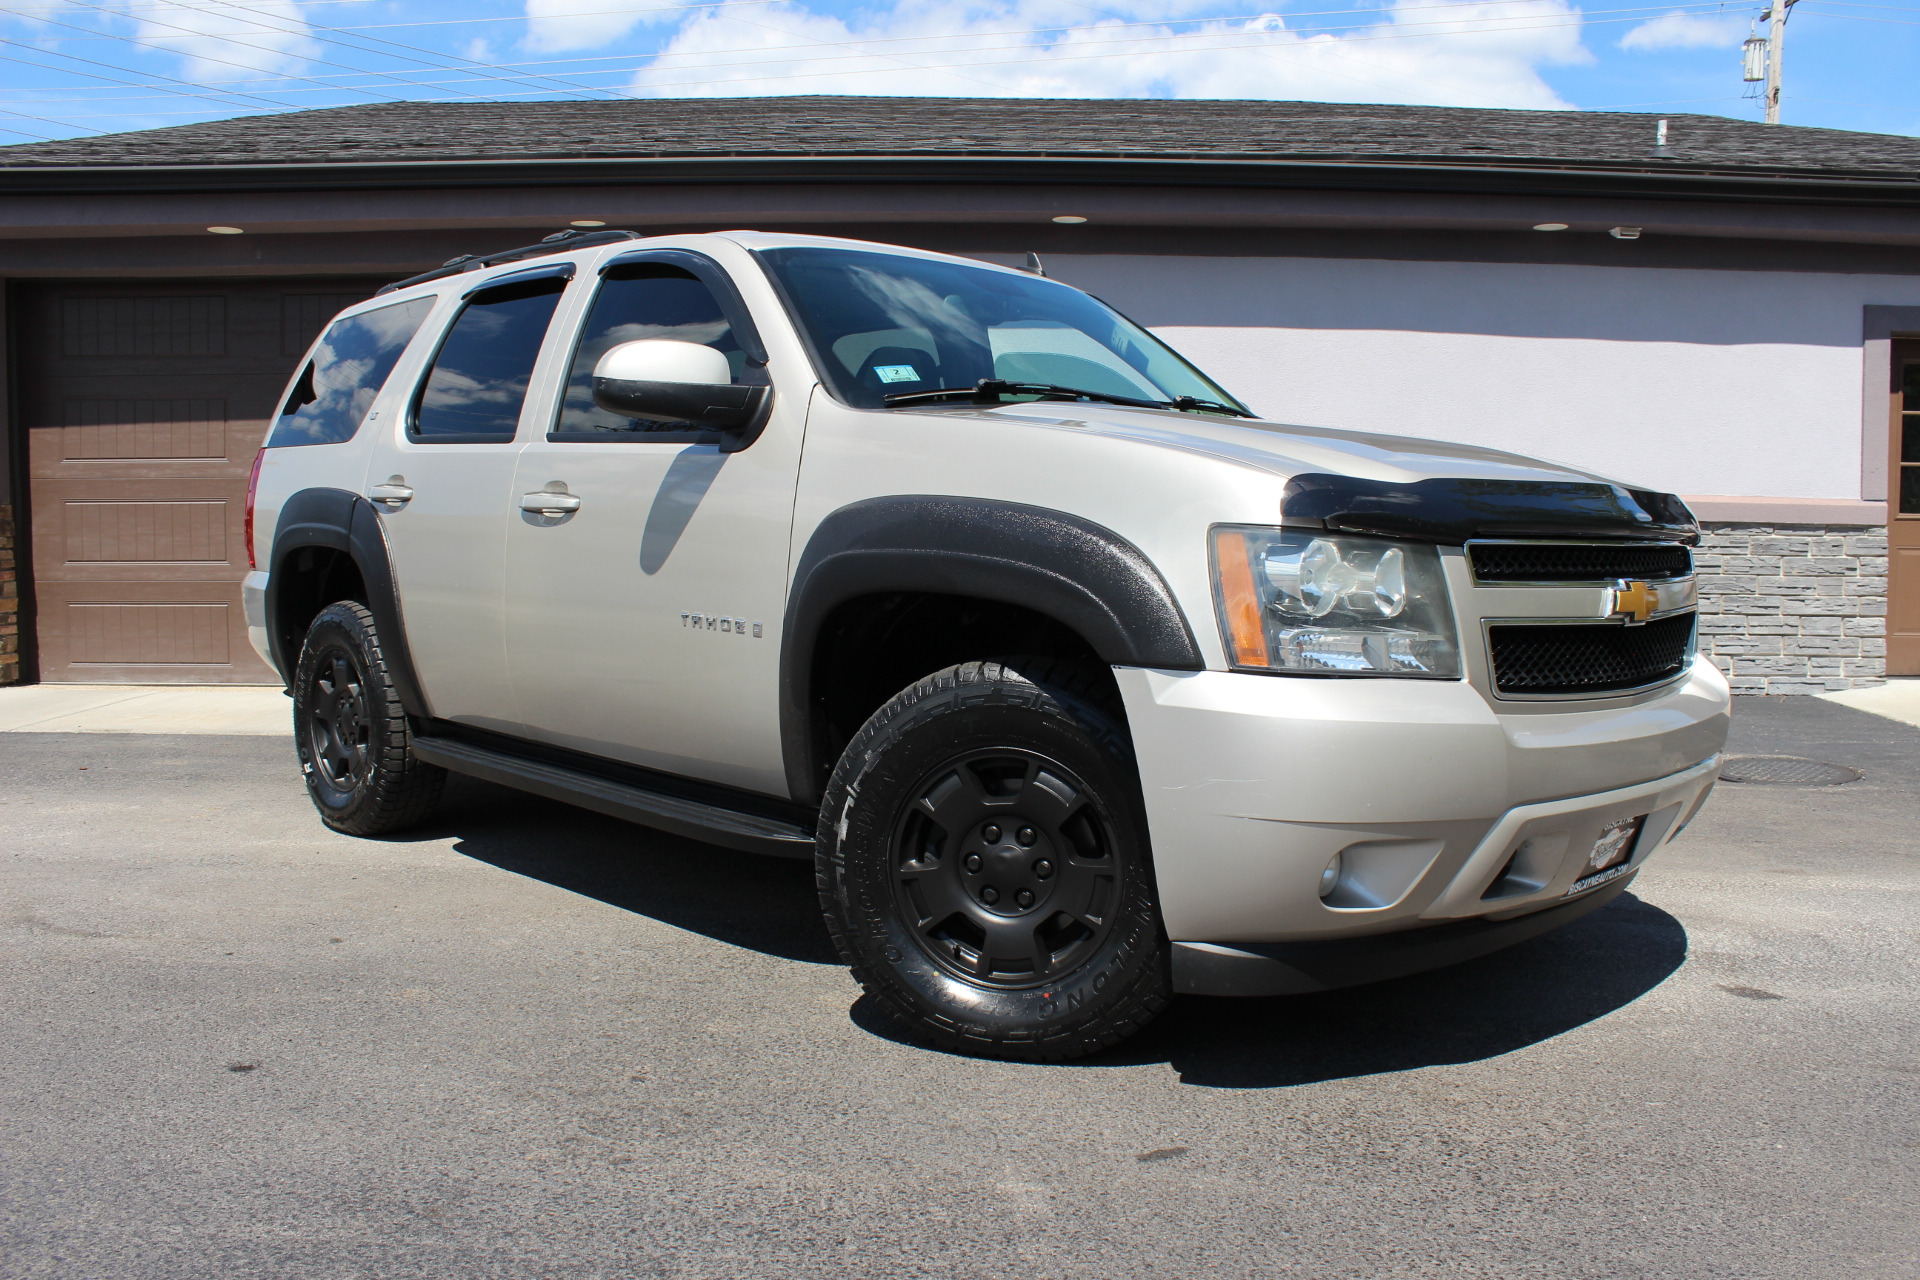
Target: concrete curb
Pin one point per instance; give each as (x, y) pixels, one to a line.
(1897, 699)
(254, 710)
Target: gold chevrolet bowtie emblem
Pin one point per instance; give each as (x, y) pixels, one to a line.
(1635, 601)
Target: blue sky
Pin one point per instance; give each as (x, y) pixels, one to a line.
(74, 67)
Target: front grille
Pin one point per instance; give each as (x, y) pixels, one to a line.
(1593, 658)
(1581, 562)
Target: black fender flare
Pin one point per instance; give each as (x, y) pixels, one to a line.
(1081, 574)
(344, 521)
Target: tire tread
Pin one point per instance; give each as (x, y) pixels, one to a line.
(1051, 684)
(402, 790)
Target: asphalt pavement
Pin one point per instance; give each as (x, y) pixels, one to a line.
(528, 1041)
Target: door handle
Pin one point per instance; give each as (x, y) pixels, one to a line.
(549, 503)
(392, 494)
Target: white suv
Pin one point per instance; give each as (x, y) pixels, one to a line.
(1080, 684)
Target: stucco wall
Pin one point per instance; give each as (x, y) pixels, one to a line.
(1704, 382)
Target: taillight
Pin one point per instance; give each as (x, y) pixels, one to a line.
(253, 488)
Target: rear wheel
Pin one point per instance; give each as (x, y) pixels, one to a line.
(983, 864)
(356, 750)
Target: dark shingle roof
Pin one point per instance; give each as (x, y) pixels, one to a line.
(1141, 129)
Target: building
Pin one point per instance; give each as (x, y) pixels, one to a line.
(1730, 316)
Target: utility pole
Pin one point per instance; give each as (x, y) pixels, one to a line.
(1776, 36)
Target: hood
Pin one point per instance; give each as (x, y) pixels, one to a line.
(1400, 486)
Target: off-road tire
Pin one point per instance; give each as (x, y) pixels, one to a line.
(355, 747)
(1053, 947)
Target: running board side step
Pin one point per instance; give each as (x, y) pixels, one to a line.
(677, 815)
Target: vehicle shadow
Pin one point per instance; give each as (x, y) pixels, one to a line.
(1528, 993)
(1531, 992)
(744, 899)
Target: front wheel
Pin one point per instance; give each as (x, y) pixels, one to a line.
(356, 750)
(983, 864)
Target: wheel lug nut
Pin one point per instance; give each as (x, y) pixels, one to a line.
(1043, 868)
(1025, 836)
(973, 862)
(989, 895)
(990, 833)
(1024, 897)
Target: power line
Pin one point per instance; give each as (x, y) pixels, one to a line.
(1483, 26)
(1207, 35)
(95, 75)
(1861, 17)
(328, 82)
(112, 67)
(165, 49)
(42, 120)
(1588, 18)
(1219, 42)
(1054, 58)
(414, 49)
(1700, 6)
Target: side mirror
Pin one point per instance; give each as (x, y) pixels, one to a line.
(662, 380)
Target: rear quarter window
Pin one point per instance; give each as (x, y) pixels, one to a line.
(345, 374)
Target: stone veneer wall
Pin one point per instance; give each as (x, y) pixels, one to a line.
(1793, 608)
(9, 602)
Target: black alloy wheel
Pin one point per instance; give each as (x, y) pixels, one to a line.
(339, 730)
(355, 746)
(984, 868)
(1006, 868)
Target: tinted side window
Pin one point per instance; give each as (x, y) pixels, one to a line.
(651, 300)
(479, 377)
(346, 373)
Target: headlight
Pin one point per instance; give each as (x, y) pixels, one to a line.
(1332, 605)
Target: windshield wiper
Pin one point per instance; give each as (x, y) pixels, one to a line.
(988, 391)
(1189, 404)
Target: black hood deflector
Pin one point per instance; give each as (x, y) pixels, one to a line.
(1451, 512)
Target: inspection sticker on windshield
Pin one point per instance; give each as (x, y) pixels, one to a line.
(897, 373)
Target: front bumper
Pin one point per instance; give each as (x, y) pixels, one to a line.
(1296, 968)
(1444, 808)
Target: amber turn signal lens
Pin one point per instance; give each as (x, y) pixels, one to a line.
(1242, 601)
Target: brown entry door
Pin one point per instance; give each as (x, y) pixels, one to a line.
(144, 404)
(1903, 511)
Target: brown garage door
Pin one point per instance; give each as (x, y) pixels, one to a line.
(144, 404)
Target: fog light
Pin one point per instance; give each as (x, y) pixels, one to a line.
(1330, 878)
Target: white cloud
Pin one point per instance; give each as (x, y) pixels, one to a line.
(1466, 55)
(268, 37)
(1685, 31)
(557, 25)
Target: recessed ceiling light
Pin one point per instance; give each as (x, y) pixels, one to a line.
(1549, 226)
(587, 222)
(227, 231)
(1070, 218)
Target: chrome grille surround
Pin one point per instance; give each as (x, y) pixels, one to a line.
(1622, 635)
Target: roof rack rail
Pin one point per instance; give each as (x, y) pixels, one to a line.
(558, 242)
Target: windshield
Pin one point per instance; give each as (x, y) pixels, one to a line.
(884, 325)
